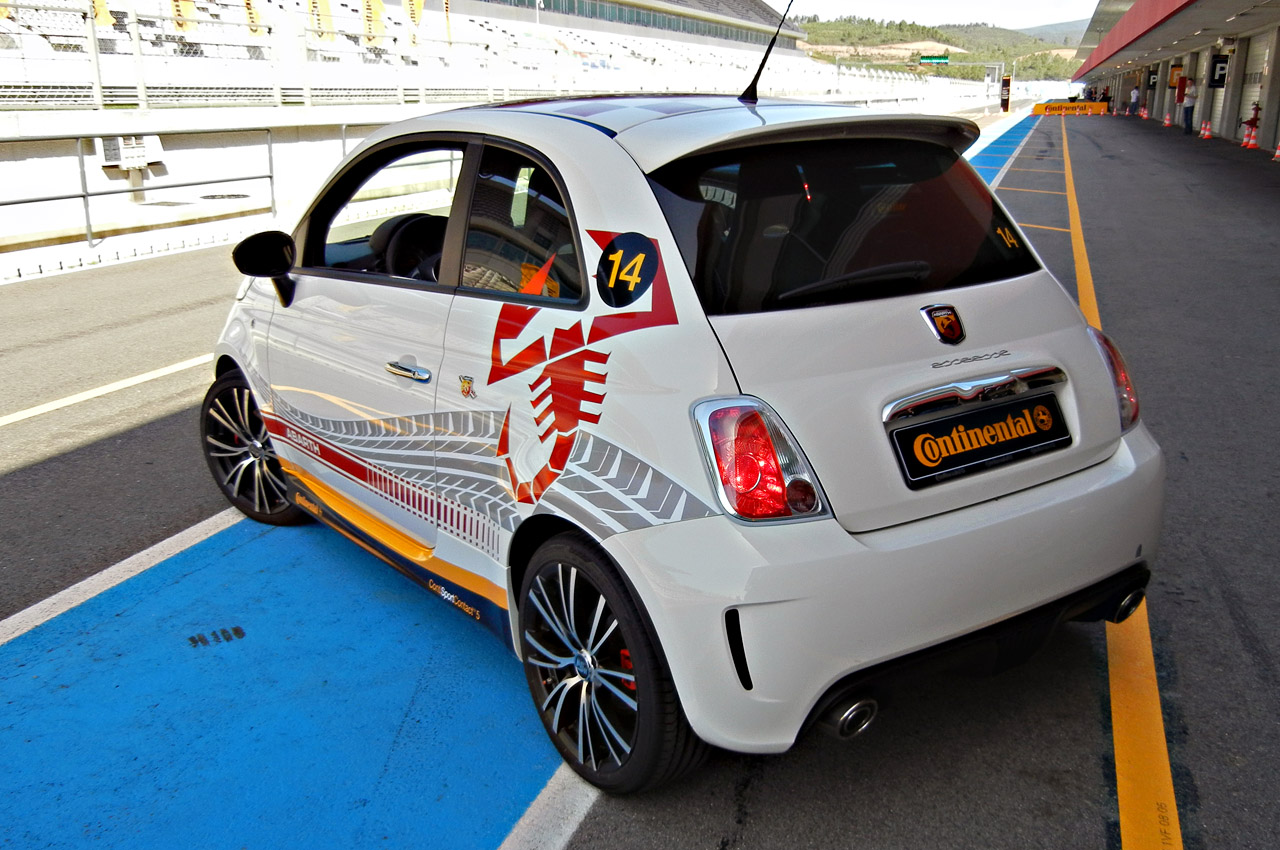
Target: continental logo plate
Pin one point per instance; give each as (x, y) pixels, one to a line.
(941, 449)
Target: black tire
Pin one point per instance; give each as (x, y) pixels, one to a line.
(597, 679)
(238, 449)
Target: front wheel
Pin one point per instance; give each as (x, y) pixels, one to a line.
(238, 450)
(597, 680)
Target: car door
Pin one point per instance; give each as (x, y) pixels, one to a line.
(354, 358)
(509, 401)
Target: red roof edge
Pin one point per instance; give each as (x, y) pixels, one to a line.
(1142, 17)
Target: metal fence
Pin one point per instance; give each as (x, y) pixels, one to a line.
(88, 158)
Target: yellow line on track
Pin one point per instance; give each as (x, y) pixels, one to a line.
(1084, 276)
(1144, 781)
(1044, 227)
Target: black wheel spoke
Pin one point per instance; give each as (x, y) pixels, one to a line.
(543, 604)
(614, 737)
(557, 662)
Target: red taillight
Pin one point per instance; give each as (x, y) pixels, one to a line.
(1126, 395)
(748, 463)
(757, 463)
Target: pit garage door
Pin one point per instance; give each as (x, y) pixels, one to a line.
(1256, 65)
(1219, 101)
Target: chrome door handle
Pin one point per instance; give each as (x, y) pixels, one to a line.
(416, 373)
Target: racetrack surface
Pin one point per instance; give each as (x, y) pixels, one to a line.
(1177, 231)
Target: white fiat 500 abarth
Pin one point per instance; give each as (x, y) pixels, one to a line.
(716, 413)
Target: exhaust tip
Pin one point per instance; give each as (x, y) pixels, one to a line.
(850, 719)
(1128, 605)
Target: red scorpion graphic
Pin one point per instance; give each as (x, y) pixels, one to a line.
(564, 376)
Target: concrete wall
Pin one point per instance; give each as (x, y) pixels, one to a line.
(298, 158)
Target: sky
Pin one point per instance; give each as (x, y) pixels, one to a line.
(1001, 13)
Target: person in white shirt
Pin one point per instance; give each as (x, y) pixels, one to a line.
(1188, 104)
(1133, 99)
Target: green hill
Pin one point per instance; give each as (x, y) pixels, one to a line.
(1023, 55)
(1066, 34)
(865, 31)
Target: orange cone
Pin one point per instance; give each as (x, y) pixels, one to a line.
(1167, 122)
(1206, 129)
(1276, 158)
(1248, 131)
(1252, 142)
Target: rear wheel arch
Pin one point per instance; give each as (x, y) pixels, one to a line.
(225, 364)
(529, 537)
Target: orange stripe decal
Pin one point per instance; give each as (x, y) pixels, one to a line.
(397, 541)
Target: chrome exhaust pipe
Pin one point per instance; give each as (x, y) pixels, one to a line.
(1128, 605)
(850, 717)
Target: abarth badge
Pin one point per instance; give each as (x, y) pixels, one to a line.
(945, 322)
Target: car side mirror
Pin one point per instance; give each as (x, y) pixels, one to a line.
(268, 254)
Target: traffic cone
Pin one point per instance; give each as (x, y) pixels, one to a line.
(1248, 133)
(1167, 121)
(1276, 158)
(1252, 141)
(1206, 129)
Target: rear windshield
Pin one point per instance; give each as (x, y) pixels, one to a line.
(782, 226)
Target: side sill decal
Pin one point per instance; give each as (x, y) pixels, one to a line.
(472, 595)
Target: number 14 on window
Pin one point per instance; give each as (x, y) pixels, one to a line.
(628, 274)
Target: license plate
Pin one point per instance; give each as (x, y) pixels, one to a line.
(935, 451)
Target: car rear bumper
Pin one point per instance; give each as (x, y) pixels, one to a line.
(817, 607)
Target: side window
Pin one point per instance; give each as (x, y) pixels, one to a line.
(394, 223)
(519, 240)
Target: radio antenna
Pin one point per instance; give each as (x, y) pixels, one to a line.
(749, 96)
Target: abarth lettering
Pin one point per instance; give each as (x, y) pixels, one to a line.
(977, 358)
(302, 441)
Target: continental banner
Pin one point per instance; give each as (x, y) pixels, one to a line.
(1083, 107)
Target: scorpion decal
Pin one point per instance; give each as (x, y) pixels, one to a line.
(572, 369)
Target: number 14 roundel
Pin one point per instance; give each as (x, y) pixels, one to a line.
(627, 269)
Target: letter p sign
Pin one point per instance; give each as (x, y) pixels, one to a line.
(1218, 71)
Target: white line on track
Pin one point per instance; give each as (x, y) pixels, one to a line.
(26, 620)
(553, 818)
(49, 407)
(1009, 162)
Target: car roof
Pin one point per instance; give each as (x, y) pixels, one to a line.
(658, 129)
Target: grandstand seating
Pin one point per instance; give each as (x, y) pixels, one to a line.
(325, 51)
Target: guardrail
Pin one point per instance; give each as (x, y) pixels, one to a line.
(86, 194)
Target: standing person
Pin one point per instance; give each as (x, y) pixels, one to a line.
(1133, 99)
(1188, 104)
